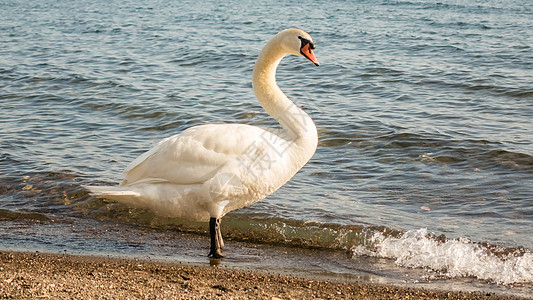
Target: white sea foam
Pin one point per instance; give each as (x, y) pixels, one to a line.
(452, 258)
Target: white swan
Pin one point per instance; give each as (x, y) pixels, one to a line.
(209, 170)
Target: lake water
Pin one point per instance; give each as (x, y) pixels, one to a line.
(424, 111)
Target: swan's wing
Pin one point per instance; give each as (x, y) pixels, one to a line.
(197, 154)
(145, 155)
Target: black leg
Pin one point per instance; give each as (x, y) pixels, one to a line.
(216, 238)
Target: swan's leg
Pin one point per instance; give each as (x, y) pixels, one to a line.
(214, 230)
(219, 234)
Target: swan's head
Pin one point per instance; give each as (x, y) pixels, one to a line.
(299, 42)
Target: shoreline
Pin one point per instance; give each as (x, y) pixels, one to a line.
(65, 276)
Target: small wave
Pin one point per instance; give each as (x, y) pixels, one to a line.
(519, 93)
(452, 258)
(7, 215)
(465, 153)
(39, 194)
(257, 228)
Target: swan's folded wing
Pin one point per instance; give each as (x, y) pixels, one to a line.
(145, 155)
(195, 155)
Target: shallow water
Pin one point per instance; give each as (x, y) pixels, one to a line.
(423, 109)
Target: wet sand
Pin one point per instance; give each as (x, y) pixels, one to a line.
(37, 275)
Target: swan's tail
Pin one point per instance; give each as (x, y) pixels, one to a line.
(122, 194)
(111, 192)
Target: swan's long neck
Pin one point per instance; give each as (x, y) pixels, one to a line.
(297, 124)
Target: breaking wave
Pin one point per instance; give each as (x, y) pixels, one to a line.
(452, 258)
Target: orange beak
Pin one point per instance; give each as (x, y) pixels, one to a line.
(308, 53)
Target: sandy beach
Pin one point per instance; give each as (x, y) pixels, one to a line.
(52, 276)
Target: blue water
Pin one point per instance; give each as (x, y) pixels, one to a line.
(423, 108)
